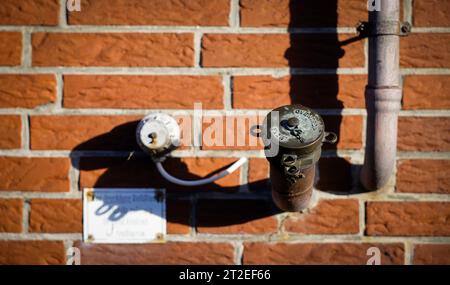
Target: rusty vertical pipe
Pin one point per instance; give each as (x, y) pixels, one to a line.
(383, 96)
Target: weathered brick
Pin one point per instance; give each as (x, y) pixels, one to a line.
(26, 90)
(46, 174)
(424, 134)
(235, 216)
(348, 130)
(11, 215)
(230, 132)
(65, 215)
(178, 216)
(427, 254)
(431, 13)
(170, 92)
(36, 12)
(281, 50)
(423, 176)
(89, 132)
(334, 174)
(425, 50)
(314, 91)
(56, 216)
(328, 217)
(426, 92)
(408, 218)
(302, 13)
(152, 12)
(141, 172)
(10, 48)
(113, 49)
(167, 253)
(32, 252)
(11, 131)
(258, 174)
(320, 253)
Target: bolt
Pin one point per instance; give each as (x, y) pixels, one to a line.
(90, 196)
(406, 27)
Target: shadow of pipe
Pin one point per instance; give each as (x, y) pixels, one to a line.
(321, 50)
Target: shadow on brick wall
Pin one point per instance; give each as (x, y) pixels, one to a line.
(307, 52)
(321, 49)
(137, 170)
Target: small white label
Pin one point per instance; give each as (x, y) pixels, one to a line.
(117, 215)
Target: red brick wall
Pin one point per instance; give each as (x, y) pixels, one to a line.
(74, 84)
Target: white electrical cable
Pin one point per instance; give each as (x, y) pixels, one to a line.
(203, 181)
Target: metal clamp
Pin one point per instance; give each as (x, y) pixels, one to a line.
(383, 28)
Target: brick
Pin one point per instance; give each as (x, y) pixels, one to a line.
(258, 174)
(230, 132)
(431, 13)
(178, 216)
(89, 132)
(169, 253)
(302, 13)
(227, 216)
(46, 174)
(56, 216)
(348, 130)
(10, 48)
(152, 12)
(11, 130)
(145, 92)
(314, 91)
(423, 176)
(427, 254)
(36, 12)
(426, 92)
(11, 213)
(118, 172)
(425, 50)
(320, 253)
(141, 172)
(424, 134)
(113, 49)
(408, 218)
(32, 252)
(281, 50)
(27, 90)
(334, 174)
(200, 167)
(338, 216)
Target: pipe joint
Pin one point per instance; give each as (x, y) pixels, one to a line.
(383, 99)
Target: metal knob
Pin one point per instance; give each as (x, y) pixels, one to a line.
(293, 122)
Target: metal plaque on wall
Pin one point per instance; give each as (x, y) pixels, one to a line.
(123, 215)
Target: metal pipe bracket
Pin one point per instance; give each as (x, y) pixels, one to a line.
(383, 28)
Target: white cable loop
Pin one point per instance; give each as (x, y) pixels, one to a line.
(203, 181)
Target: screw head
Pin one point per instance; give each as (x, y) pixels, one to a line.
(406, 27)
